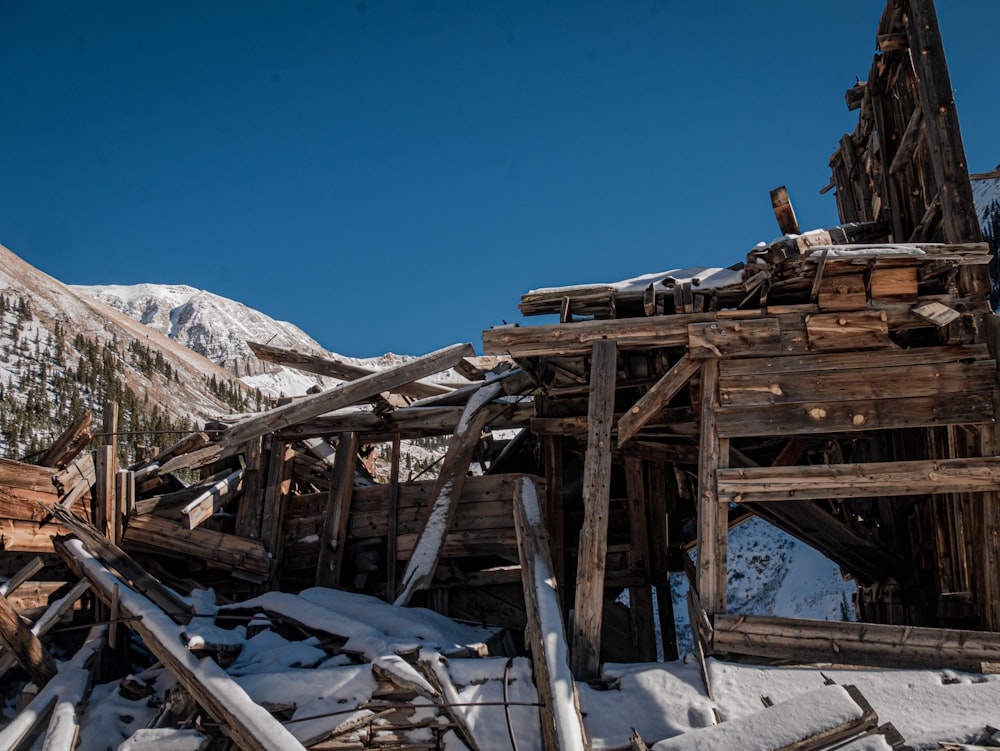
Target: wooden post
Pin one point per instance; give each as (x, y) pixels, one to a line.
(640, 597)
(390, 557)
(589, 610)
(562, 726)
(25, 646)
(70, 443)
(555, 503)
(104, 497)
(713, 519)
(248, 514)
(275, 500)
(338, 508)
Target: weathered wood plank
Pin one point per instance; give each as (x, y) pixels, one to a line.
(758, 337)
(811, 363)
(833, 331)
(593, 548)
(562, 725)
(578, 338)
(851, 384)
(658, 396)
(853, 643)
(760, 484)
(172, 538)
(844, 292)
(809, 418)
(784, 212)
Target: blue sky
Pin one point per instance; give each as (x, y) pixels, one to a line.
(393, 176)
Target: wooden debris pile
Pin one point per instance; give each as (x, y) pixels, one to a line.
(840, 383)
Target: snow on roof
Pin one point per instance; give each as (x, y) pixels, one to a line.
(703, 277)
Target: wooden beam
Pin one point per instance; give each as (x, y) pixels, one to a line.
(278, 483)
(329, 366)
(52, 615)
(658, 396)
(104, 487)
(333, 540)
(814, 482)
(562, 725)
(578, 338)
(447, 490)
(591, 562)
(249, 725)
(346, 394)
(713, 520)
(251, 508)
(814, 641)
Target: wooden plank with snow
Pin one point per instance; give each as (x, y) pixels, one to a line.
(593, 550)
(813, 720)
(812, 641)
(562, 725)
(346, 394)
(212, 499)
(251, 726)
(448, 489)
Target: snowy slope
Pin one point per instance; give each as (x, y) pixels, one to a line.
(986, 194)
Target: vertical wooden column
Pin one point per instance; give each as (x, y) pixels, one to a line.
(275, 499)
(248, 514)
(338, 507)
(124, 503)
(104, 485)
(589, 610)
(390, 553)
(713, 521)
(555, 504)
(640, 597)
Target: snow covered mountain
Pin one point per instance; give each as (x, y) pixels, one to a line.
(219, 328)
(986, 195)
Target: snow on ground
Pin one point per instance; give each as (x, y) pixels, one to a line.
(320, 688)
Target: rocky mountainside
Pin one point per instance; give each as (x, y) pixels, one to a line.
(62, 353)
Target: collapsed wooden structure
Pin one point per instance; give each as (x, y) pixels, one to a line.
(840, 383)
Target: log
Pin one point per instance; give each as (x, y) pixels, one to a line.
(561, 723)
(783, 211)
(591, 563)
(33, 566)
(247, 723)
(52, 615)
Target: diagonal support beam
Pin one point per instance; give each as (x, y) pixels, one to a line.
(656, 398)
